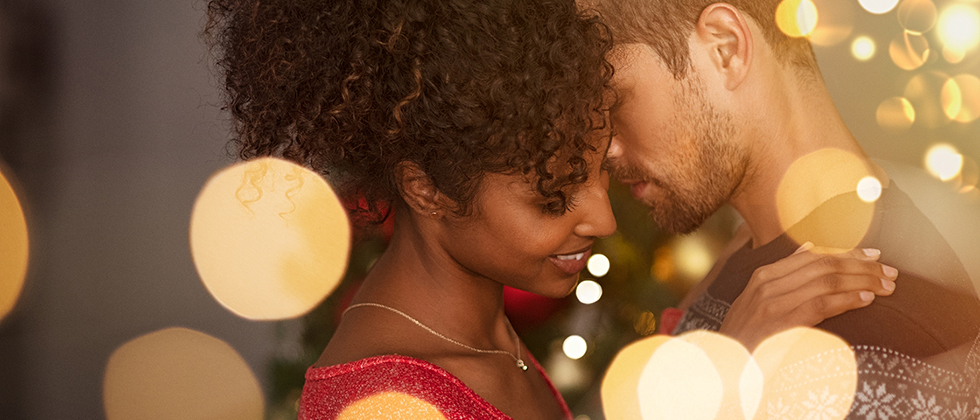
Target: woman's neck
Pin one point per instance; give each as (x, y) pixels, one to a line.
(417, 276)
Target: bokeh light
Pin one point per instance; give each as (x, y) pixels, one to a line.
(959, 27)
(944, 161)
(863, 48)
(801, 363)
(13, 246)
(909, 51)
(878, 7)
(269, 238)
(953, 55)
(869, 189)
(619, 392)
(961, 98)
(796, 18)
(835, 23)
(924, 92)
(917, 16)
(679, 382)
(838, 172)
(588, 292)
(703, 374)
(574, 347)
(598, 265)
(693, 256)
(390, 406)
(177, 373)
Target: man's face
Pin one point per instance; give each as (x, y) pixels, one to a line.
(675, 151)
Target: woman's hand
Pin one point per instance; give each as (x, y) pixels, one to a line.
(805, 288)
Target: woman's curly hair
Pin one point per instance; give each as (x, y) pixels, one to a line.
(461, 88)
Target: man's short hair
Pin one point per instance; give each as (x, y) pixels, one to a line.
(666, 25)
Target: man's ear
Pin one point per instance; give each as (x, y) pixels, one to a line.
(724, 33)
(418, 191)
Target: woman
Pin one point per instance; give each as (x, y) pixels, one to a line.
(481, 123)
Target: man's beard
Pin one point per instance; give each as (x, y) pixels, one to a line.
(699, 187)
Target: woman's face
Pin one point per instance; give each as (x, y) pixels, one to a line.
(511, 240)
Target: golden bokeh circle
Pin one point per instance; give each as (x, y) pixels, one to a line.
(863, 48)
(924, 92)
(960, 98)
(177, 373)
(796, 18)
(815, 179)
(917, 16)
(835, 23)
(14, 247)
(909, 51)
(878, 7)
(269, 238)
(895, 114)
(390, 406)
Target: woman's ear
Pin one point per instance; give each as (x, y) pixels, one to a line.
(418, 190)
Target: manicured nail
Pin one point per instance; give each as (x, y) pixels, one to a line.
(888, 285)
(871, 252)
(805, 247)
(889, 271)
(867, 296)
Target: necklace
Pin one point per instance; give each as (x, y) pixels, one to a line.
(517, 359)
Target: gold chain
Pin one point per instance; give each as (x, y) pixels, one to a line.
(517, 359)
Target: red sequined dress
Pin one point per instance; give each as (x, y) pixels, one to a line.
(330, 390)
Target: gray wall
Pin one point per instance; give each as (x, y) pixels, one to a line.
(110, 159)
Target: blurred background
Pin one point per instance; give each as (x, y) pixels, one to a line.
(110, 124)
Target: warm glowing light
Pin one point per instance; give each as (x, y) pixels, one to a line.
(835, 24)
(917, 16)
(943, 161)
(645, 323)
(796, 18)
(707, 375)
(269, 239)
(801, 366)
(663, 267)
(924, 92)
(574, 347)
(869, 189)
(619, 392)
(953, 55)
(961, 98)
(863, 48)
(679, 382)
(909, 51)
(693, 257)
(178, 373)
(878, 7)
(751, 387)
(837, 172)
(588, 292)
(598, 265)
(959, 27)
(895, 114)
(390, 405)
(13, 247)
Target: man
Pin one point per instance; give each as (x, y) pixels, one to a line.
(717, 105)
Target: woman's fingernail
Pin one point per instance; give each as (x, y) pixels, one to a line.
(867, 296)
(888, 285)
(871, 252)
(889, 271)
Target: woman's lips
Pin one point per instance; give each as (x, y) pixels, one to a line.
(571, 263)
